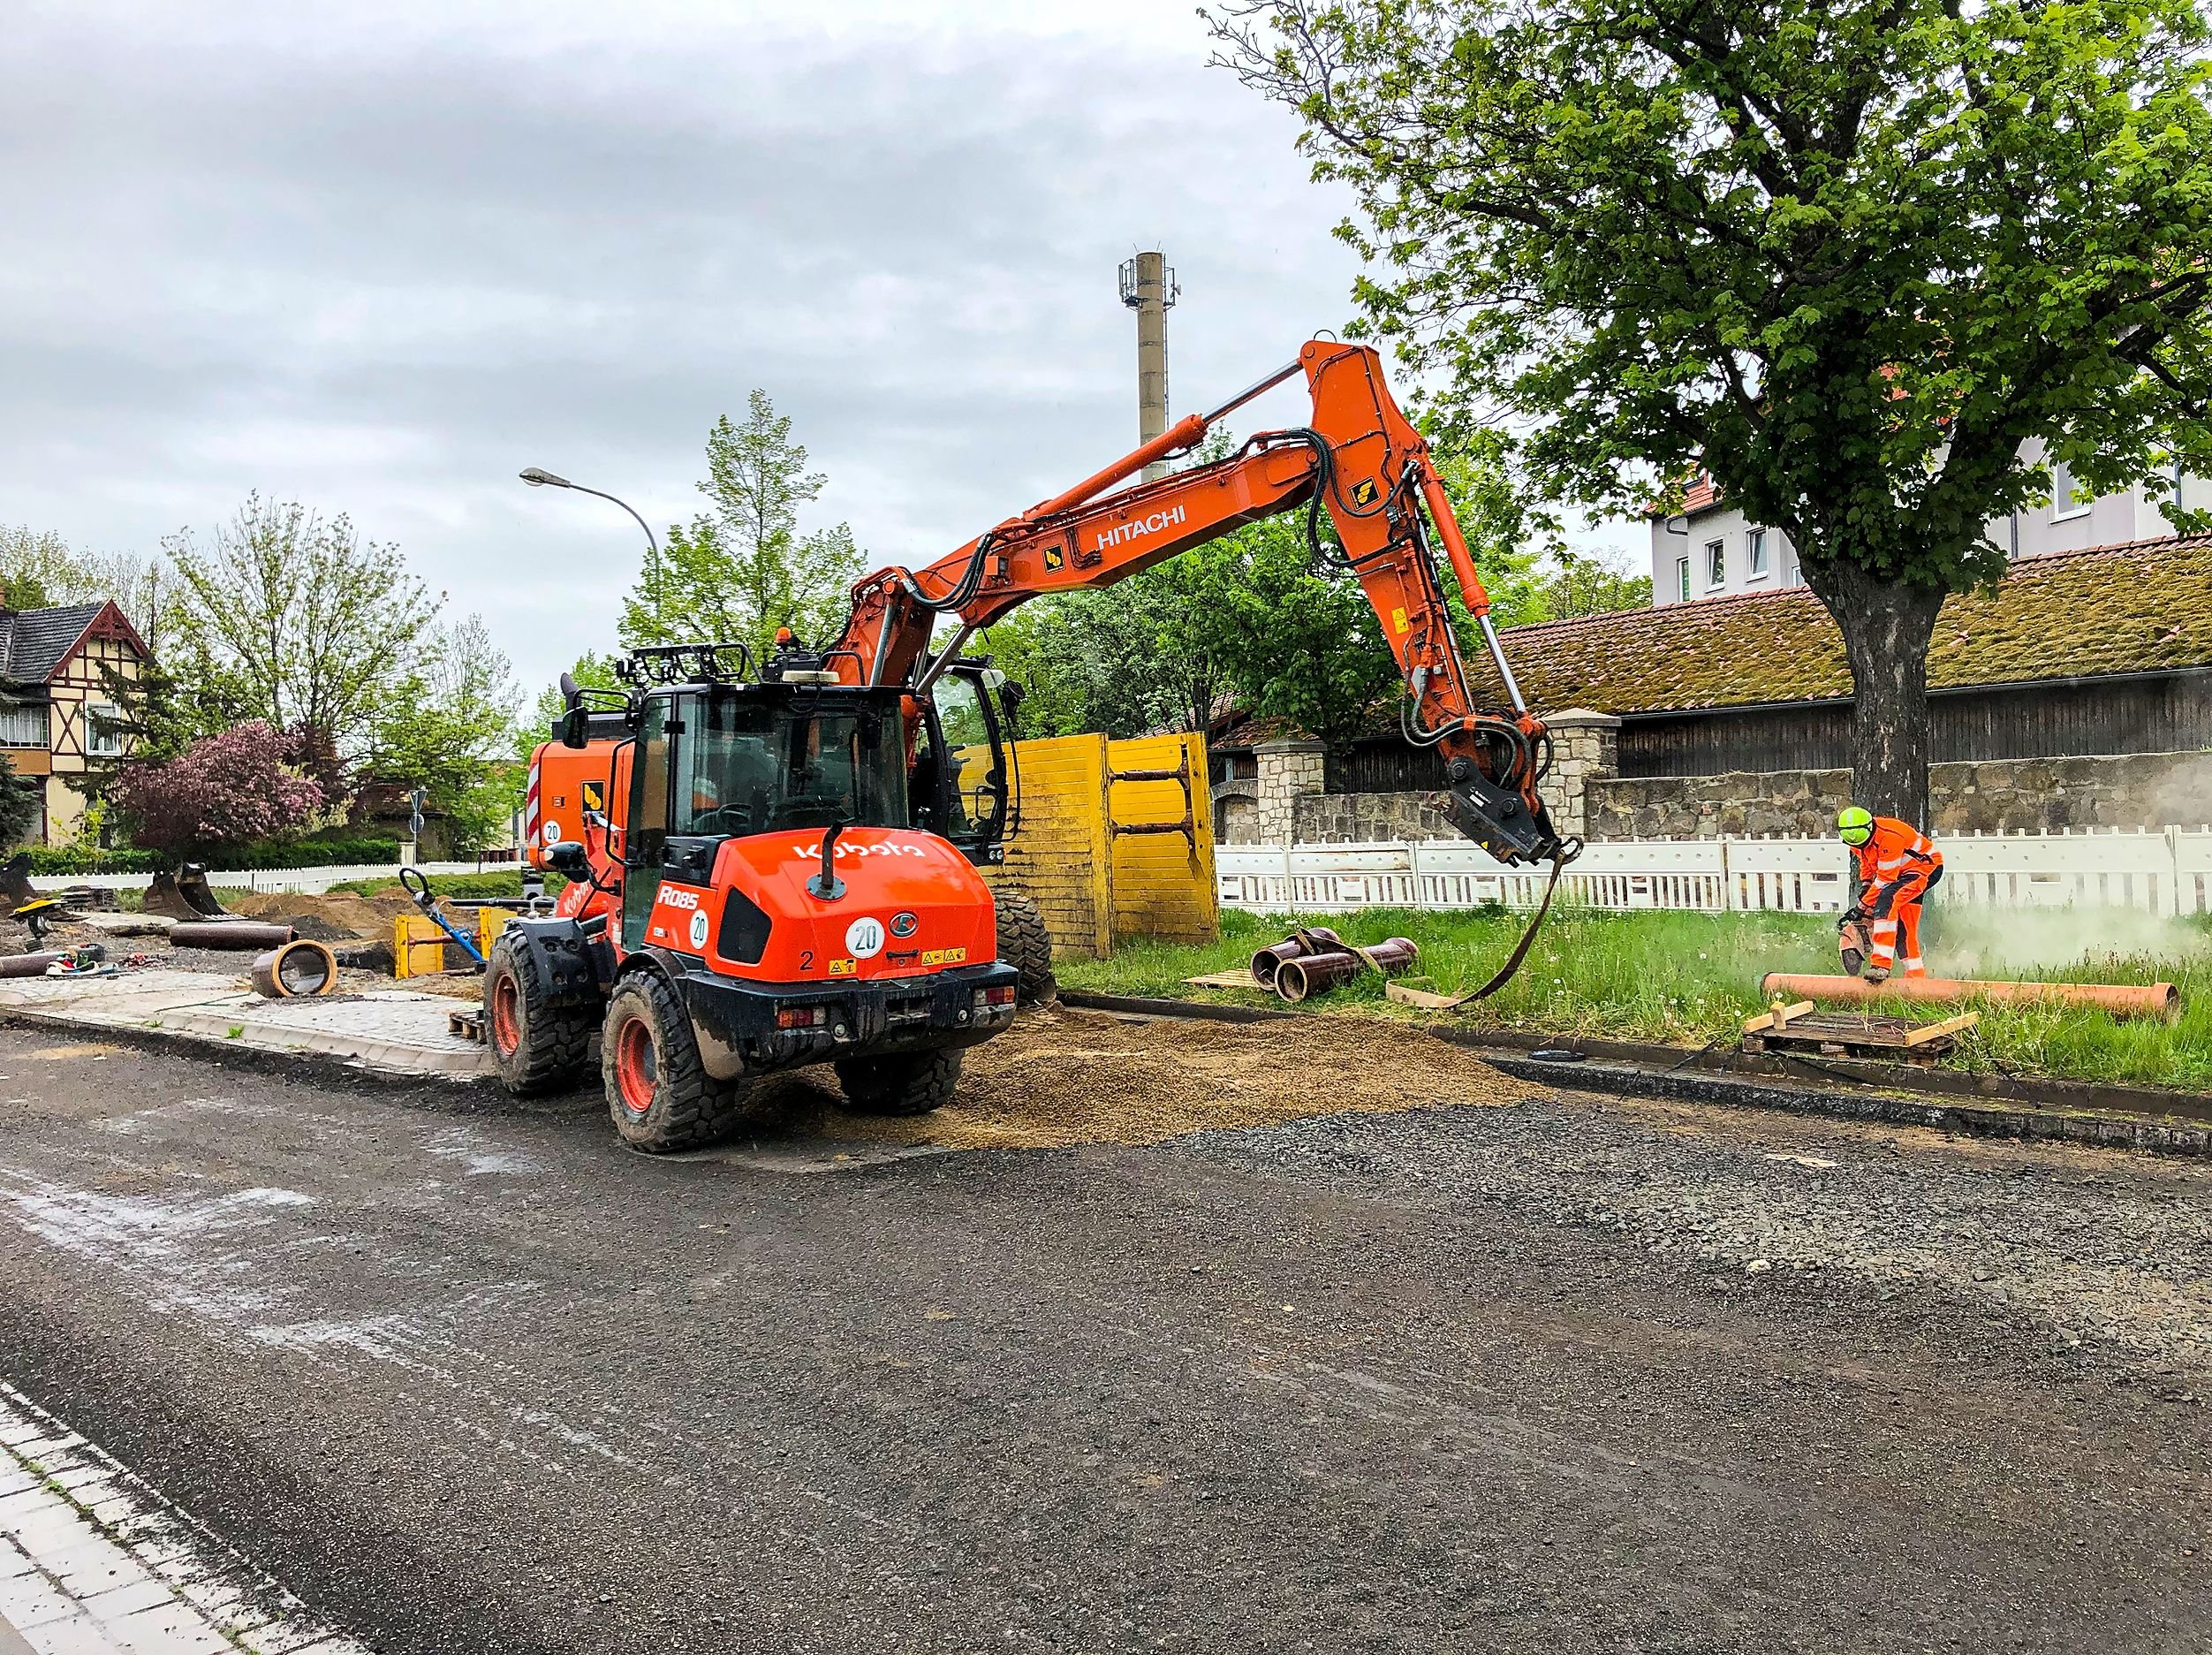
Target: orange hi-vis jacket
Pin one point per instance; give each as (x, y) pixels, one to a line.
(1896, 849)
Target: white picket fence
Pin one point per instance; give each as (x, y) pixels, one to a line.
(2166, 871)
(310, 881)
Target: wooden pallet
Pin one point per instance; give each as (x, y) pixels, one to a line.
(465, 1025)
(1800, 1028)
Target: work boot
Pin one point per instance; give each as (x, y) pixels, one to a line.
(1875, 973)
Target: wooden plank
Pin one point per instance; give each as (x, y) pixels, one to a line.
(1229, 980)
(1949, 1026)
(1776, 1018)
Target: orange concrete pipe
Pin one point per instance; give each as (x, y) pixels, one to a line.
(2155, 999)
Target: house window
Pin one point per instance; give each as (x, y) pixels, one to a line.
(1716, 563)
(23, 726)
(1682, 577)
(2063, 503)
(104, 730)
(1755, 554)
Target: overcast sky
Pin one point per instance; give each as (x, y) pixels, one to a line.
(377, 258)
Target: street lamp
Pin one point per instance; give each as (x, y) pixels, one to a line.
(537, 477)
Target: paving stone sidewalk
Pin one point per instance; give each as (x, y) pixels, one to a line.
(390, 1031)
(94, 1562)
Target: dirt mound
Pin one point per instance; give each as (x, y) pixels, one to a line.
(1064, 1077)
(331, 918)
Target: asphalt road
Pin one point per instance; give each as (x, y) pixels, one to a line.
(1565, 1376)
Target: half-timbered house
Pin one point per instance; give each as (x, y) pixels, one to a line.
(58, 721)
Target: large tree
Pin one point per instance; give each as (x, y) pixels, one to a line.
(1875, 266)
(741, 570)
(294, 620)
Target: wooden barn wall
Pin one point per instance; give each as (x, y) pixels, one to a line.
(2164, 715)
(1382, 767)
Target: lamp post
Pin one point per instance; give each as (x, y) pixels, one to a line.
(539, 478)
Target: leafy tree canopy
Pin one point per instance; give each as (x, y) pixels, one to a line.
(742, 569)
(1872, 264)
(235, 788)
(297, 621)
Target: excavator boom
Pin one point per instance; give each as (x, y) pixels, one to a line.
(1361, 462)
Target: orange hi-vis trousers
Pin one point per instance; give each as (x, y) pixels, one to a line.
(1899, 866)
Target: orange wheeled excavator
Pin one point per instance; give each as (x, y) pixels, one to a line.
(774, 863)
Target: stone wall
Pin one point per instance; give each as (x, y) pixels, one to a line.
(1264, 809)
(2147, 790)
(1367, 818)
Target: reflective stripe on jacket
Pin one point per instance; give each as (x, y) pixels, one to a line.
(1895, 849)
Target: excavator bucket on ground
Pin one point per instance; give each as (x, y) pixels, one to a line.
(185, 895)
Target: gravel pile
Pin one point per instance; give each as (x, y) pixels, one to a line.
(2111, 1251)
(1061, 1077)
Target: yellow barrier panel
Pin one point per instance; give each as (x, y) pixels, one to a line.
(1116, 840)
(490, 923)
(1163, 882)
(418, 946)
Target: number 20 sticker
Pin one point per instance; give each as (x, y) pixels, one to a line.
(864, 938)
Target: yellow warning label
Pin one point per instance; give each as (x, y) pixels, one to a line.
(596, 796)
(943, 956)
(1056, 558)
(1398, 620)
(1363, 492)
(845, 968)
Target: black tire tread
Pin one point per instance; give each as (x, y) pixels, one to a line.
(902, 1084)
(694, 1108)
(555, 1045)
(1025, 944)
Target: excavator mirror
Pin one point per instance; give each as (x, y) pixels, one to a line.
(574, 727)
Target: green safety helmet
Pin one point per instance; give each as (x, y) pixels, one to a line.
(1854, 826)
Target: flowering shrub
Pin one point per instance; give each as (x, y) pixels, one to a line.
(228, 789)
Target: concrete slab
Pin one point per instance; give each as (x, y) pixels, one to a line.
(392, 1031)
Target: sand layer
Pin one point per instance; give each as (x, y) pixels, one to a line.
(1064, 1077)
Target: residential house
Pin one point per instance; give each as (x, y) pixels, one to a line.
(58, 717)
(1711, 548)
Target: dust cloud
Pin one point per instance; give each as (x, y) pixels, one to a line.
(1975, 941)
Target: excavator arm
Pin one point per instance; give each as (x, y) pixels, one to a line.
(1361, 463)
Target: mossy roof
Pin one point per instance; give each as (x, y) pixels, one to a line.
(2142, 607)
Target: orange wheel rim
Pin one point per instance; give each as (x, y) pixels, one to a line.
(636, 1075)
(506, 1015)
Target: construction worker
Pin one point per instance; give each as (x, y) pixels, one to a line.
(1897, 867)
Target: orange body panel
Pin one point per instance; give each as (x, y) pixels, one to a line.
(911, 905)
(565, 782)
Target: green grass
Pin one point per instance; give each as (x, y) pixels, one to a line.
(1688, 979)
(506, 884)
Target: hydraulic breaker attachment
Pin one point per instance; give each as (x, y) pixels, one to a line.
(1500, 820)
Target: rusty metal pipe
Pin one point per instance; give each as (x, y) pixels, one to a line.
(28, 965)
(238, 934)
(302, 966)
(1295, 979)
(2161, 1000)
(1264, 962)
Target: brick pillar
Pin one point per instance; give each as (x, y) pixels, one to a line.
(1287, 768)
(1586, 748)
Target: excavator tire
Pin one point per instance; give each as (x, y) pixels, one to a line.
(538, 1048)
(659, 1095)
(1025, 944)
(904, 1083)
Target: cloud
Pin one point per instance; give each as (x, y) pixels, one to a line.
(379, 261)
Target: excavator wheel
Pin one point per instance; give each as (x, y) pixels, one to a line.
(904, 1083)
(659, 1095)
(538, 1048)
(1025, 944)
